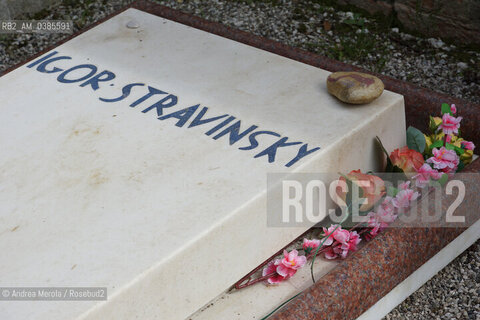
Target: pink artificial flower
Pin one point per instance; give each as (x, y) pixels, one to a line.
(342, 249)
(387, 205)
(291, 262)
(373, 221)
(450, 124)
(351, 245)
(404, 198)
(373, 233)
(269, 269)
(448, 138)
(468, 145)
(380, 219)
(339, 234)
(404, 185)
(444, 160)
(330, 254)
(424, 173)
(453, 108)
(385, 209)
(309, 245)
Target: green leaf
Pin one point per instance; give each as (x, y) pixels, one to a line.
(392, 191)
(437, 144)
(397, 169)
(381, 145)
(389, 161)
(459, 151)
(415, 139)
(390, 167)
(443, 179)
(432, 126)
(446, 108)
(461, 166)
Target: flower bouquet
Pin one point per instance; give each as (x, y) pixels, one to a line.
(426, 159)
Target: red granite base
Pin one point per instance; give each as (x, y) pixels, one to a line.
(368, 275)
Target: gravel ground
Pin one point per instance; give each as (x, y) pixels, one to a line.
(454, 293)
(377, 45)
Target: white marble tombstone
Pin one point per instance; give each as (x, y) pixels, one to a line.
(137, 159)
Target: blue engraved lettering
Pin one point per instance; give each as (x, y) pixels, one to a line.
(125, 92)
(93, 70)
(182, 115)
(199, 121)
(167, 102)
(41, 67)
(253, 140)
(302, 152)
(221, 124)
(34, 63)
(98, 78)
(151, 92)
(234, 130)
(272, 150)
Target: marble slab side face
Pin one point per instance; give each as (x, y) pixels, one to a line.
(137, 159)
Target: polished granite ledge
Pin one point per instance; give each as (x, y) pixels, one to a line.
(360, 281)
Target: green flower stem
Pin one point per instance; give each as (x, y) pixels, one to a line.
(280, 306)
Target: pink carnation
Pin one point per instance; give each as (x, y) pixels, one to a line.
(404, 198)
(444, 160)
(309, 245)
(290, 263)
(450, 124)
(424, 173)
(468, 145)
(453, 108)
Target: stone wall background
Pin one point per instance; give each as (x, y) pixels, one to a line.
(457, 20)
